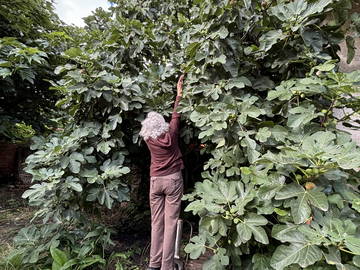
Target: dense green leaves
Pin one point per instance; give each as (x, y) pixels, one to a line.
(251, 225)
(277, 137)
(31, 40)
(279, 189)
(218, 261)
(304, 255)
(196, 247)
(300, 207)
(23, 69)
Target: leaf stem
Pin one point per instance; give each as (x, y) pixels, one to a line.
(212, 249)
(303, 171)
(347, 251)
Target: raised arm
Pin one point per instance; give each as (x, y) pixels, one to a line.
(175, 118)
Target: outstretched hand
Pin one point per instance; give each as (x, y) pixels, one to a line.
(180, 85)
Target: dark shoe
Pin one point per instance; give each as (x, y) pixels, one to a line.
(153, 268)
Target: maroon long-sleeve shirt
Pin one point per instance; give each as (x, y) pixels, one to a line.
(165, 152)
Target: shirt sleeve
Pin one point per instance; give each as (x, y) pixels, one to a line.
(175, 117)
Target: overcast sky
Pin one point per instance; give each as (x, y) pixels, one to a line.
(71, 11)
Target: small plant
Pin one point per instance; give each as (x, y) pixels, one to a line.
(15, 132)
(121, 261)
(10, 259)
(61, 261)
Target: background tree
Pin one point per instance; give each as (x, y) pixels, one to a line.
(32, 39)
(27, 19)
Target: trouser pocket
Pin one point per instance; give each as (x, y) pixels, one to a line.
(174, 186)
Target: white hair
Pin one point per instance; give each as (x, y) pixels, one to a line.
(153, 126)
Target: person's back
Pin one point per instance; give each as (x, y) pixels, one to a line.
(166, 187)
(164, 150)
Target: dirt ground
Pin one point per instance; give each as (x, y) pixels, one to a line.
(14, 215)
(132, 238)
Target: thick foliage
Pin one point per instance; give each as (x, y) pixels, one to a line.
(31, 41)
(262, 82)
(27, 19)
(21, 71)
(266, 82)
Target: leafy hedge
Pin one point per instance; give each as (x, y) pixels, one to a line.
(31, 41)
(280, 190)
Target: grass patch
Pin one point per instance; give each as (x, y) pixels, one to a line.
(5, 249)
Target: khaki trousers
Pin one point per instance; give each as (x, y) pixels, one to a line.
(165, 201)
